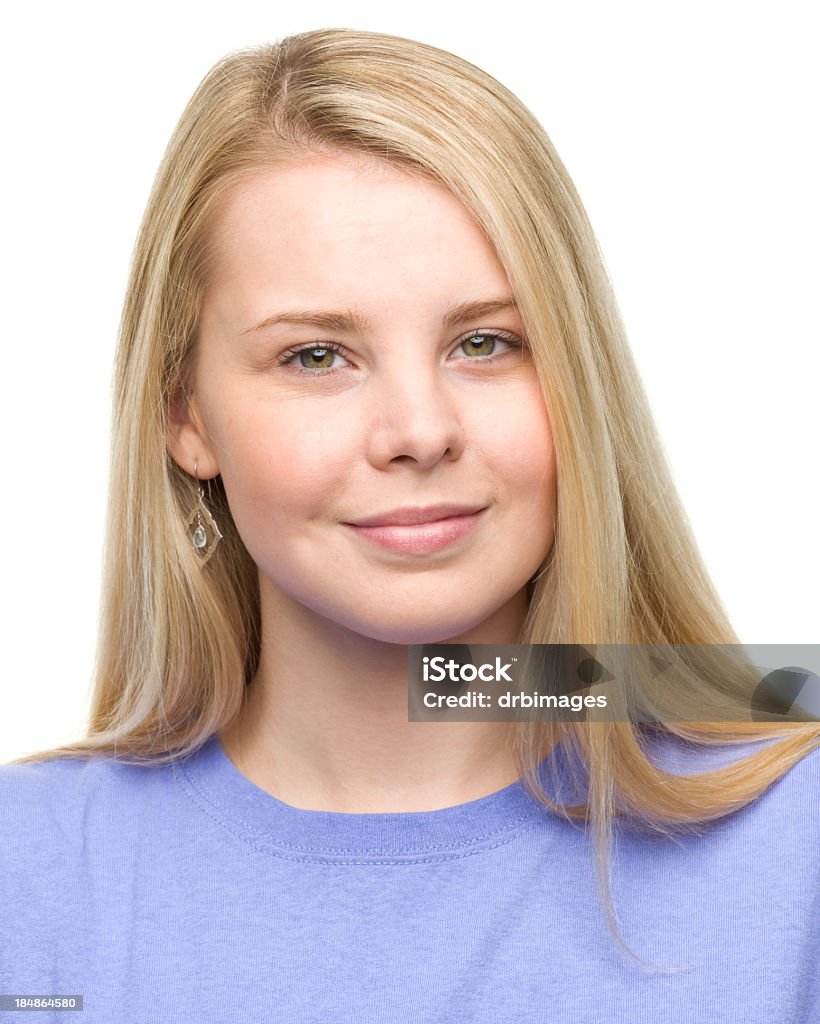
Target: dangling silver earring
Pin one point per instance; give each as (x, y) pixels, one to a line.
(201, 526)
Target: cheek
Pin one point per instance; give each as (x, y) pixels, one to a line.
(522, 444)
(277, 466)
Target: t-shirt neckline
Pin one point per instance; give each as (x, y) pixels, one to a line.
(223, 791)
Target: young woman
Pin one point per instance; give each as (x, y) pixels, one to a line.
(372, 391)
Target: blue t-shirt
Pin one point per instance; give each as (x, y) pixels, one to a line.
(186, 893)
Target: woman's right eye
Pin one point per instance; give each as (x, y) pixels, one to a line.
(313, 357)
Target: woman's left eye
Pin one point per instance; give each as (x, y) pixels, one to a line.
(482, 344)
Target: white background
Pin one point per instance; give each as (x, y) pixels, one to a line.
(690, 132)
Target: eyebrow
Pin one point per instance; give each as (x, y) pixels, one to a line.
(350, 320)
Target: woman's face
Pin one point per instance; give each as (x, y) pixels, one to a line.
(361, 386)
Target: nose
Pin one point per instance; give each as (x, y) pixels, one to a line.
(415, 420)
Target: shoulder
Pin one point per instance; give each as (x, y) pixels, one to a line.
(785, 814)
(52, 808)
(759, 858)
(689, 756)
(57, 782)
(33, 795)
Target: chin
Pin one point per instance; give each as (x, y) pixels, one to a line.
(423, 629)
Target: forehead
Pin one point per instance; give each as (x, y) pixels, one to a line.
(329, 188)
(340, 222)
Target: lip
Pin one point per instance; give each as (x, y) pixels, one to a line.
(417, 515)
(419, 530)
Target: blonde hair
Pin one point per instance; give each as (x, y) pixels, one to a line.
(179, 642)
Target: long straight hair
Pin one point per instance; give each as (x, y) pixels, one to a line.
(179, 642)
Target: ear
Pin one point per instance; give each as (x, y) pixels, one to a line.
(187, 439)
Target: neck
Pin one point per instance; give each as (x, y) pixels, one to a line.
(324, 725)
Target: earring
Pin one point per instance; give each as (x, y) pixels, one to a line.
(201, 527)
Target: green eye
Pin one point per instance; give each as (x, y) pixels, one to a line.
(316, 358)
(479, 345)
(486, 344)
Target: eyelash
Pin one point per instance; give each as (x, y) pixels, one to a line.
(332, 346)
